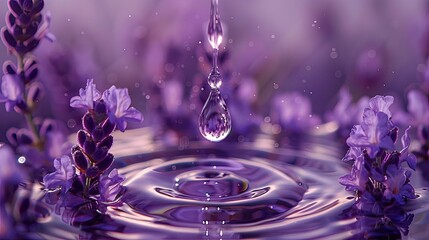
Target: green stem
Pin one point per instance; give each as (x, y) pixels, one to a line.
(87, 184)
(29, 115)
(20, 63)
(38, 141)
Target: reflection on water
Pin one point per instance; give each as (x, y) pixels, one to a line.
(233, 191)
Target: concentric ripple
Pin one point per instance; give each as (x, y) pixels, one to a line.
(202, 191)
(230, 191)
(234, 191)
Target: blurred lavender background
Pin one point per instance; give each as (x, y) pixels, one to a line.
(159, 50)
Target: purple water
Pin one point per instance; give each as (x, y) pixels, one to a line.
(230, 191)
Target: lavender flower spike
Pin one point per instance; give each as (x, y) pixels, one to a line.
(62, 177)
(86, 96)
(118, 107)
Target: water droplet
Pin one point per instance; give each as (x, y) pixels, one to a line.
(215, 27)
(215, 79)
(215, 120)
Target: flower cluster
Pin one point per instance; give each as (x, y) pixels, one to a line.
(83, 174)
(24, 30)
(25, 27)
(378, 177)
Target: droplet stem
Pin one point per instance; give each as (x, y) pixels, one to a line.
(215, 56)
(214, 30)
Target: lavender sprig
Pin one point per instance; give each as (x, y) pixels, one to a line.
(378, 178)
(91, 157)
(25, 28)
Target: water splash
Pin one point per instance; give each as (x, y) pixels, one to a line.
(215, 120)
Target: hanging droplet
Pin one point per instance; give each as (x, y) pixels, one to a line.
(215, 27)
(215, 120)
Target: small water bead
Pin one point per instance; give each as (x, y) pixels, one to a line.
(215, 79)
(215, 120)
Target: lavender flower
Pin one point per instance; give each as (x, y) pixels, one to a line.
(118, 105)
(397, 186)
(377, 177)
(91, 157)
(23, 32)
(110, 186)
(12, 91)
(375, 131)
(24, 28)
(63, 175)
(86, 96)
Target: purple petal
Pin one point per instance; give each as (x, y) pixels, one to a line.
(86, 96)
(405, 155)
(418, 107)
(381, 104)
(118, 102)
(110, 186)
(62, 177)
(11, 90)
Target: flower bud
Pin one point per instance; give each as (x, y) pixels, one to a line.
(33, 94)
(88, 122)
(32, 72)
(106, 142)
(8, 39)
(12, 136)
(80, 161)
(27, 5)
(9, 68)
(38, 7)
(100, 154)
(81, 137)
(24, 137)
(15, 8)
(75, 148)
(98, 133)
(89, 146)
(104, 164)
(108, 127)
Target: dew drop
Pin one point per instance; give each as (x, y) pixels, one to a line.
(215, 120)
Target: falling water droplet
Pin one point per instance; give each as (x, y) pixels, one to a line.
(215, 27)
(215, 120)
